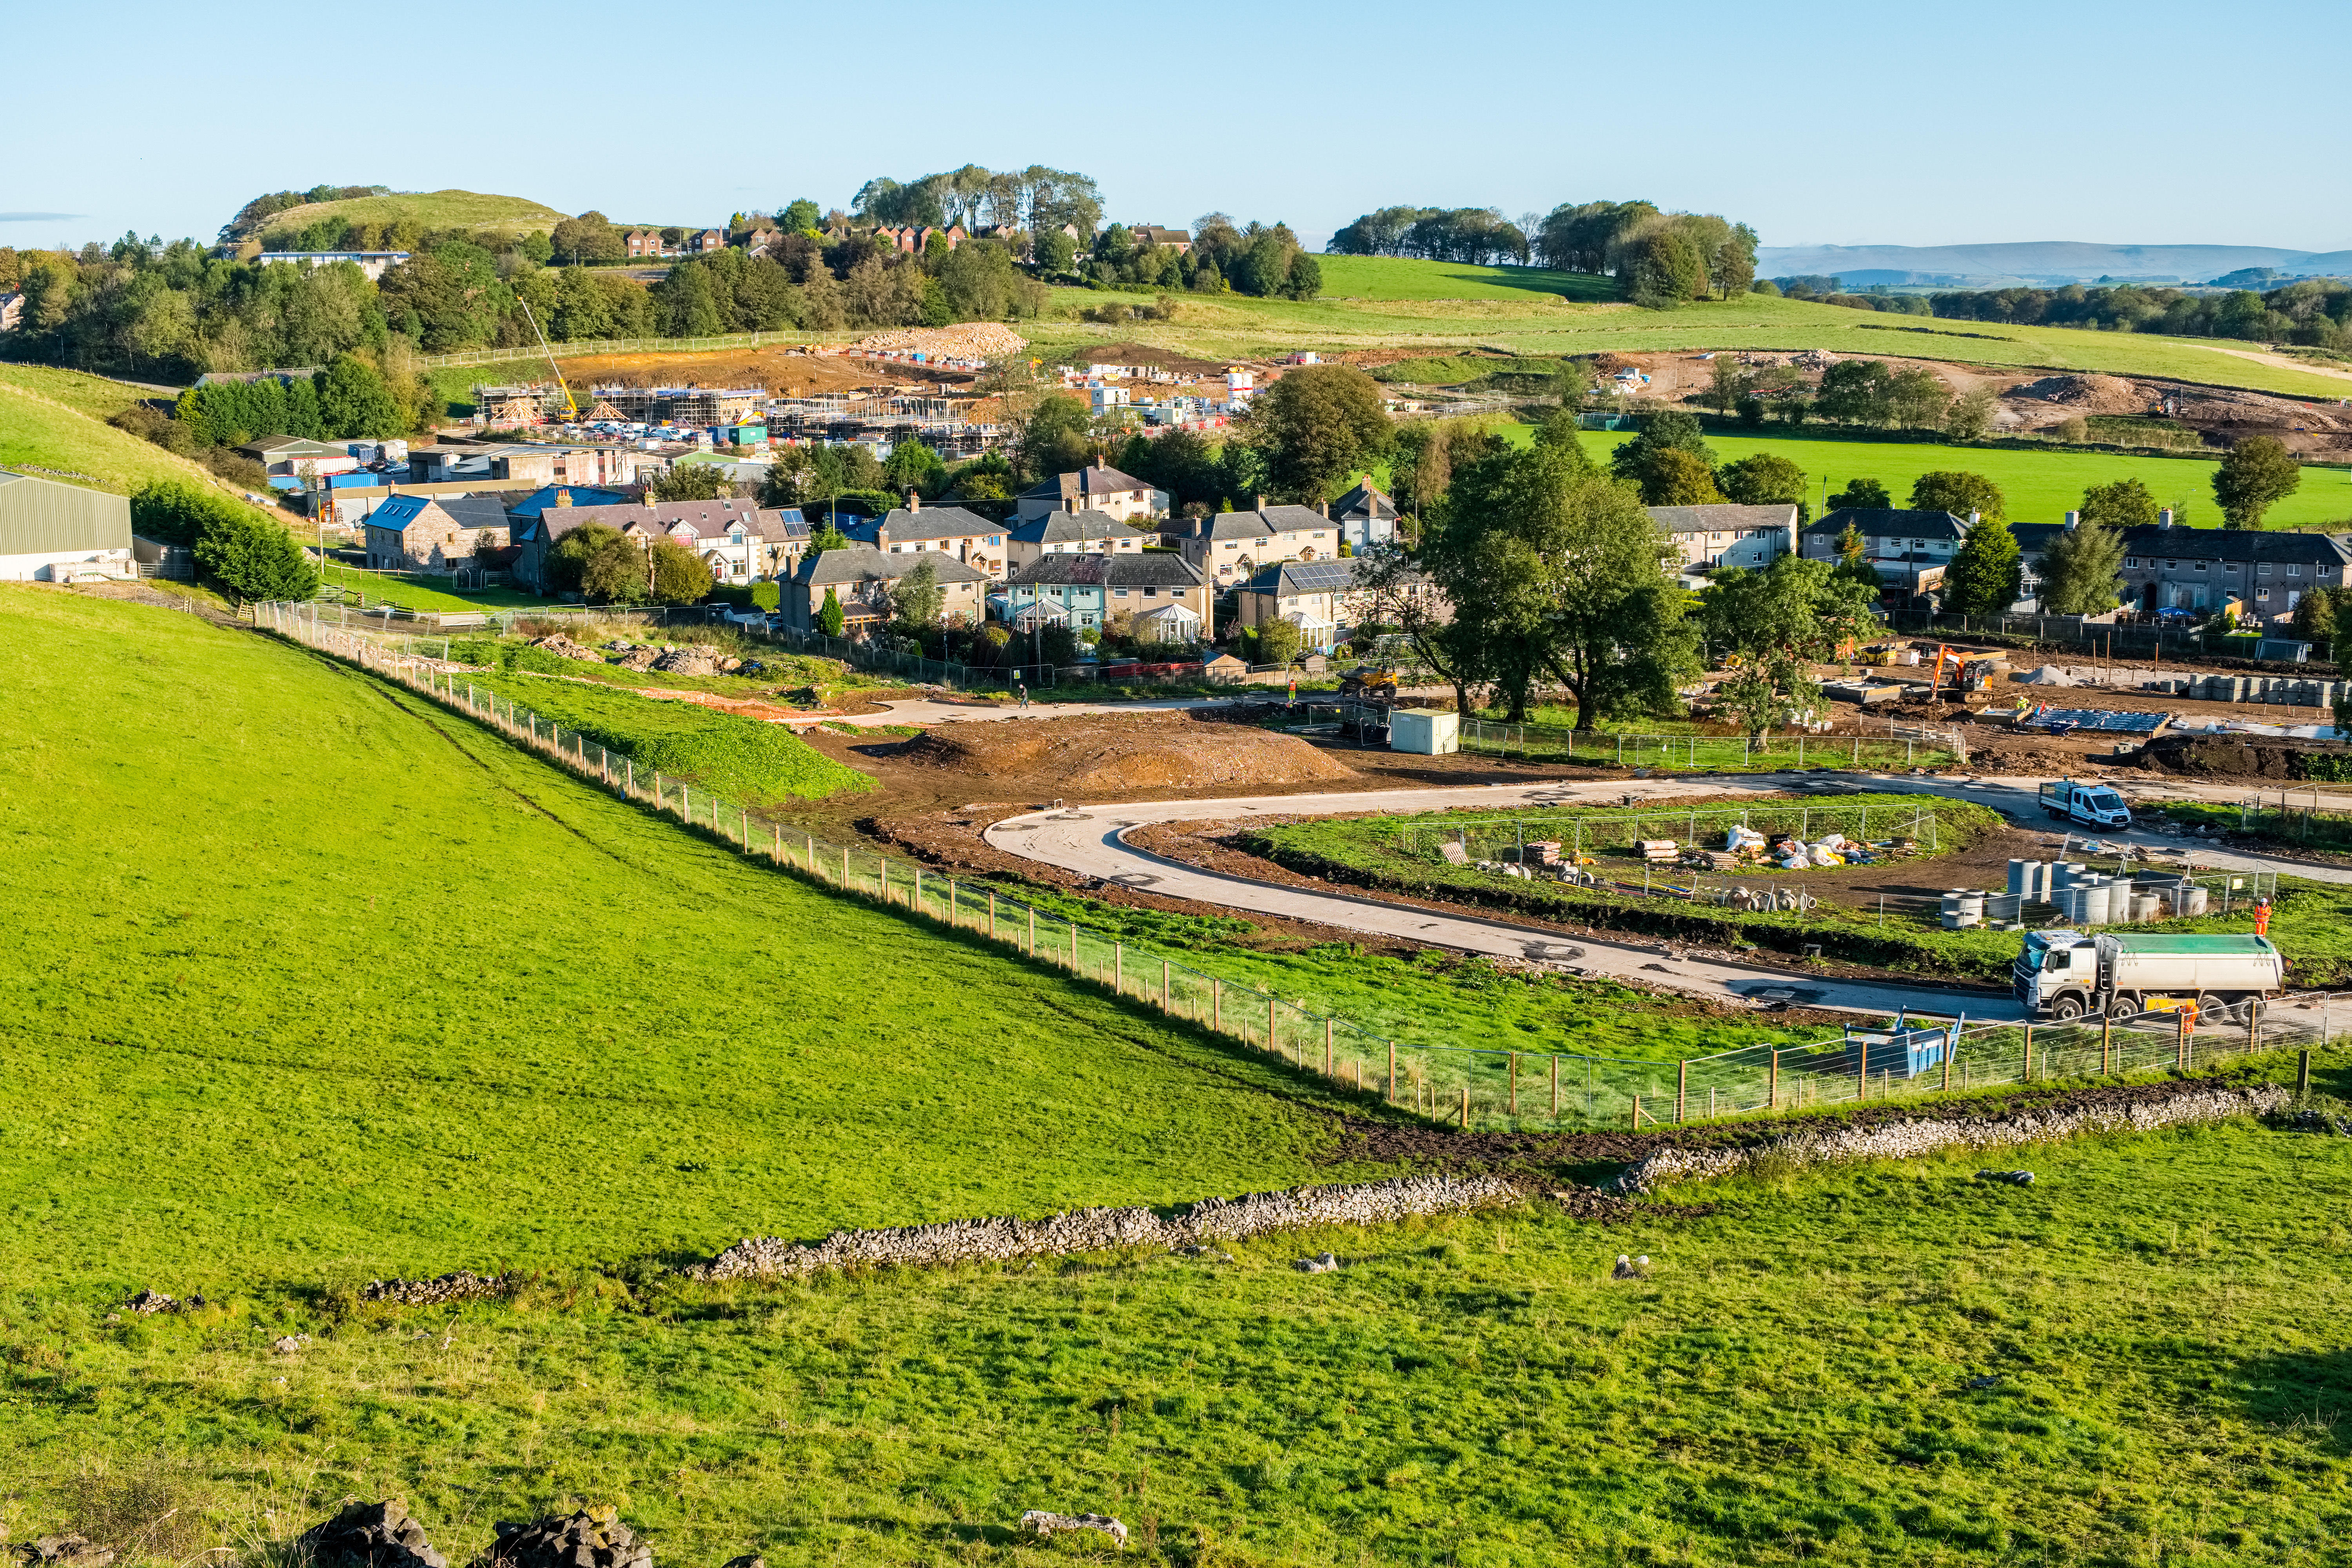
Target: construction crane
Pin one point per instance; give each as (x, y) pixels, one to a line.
(571, 409)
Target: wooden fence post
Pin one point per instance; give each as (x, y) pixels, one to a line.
(1515, 1083)
(1861, 1074)
(992, 913)
(1682, 1086)
(2107, 1038)
(951, 904)
(2303, 1071)
(1216, 1005)
(1326, 1047)
(1466, 1108)
(777, 855)
(2254, 1025)
(1074, 947)
(2029, 1053)
(807, 843)
(1163, 985)
(845, 864)
(1273, 1047)
(1117, 952)
(882, 879)
(1555, 1086)
(1776, 1078)
(1032, 932)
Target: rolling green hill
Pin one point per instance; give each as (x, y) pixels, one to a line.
(1383, 277)
(38, 430)
(510, 216)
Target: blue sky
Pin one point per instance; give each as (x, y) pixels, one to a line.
(1835, 123)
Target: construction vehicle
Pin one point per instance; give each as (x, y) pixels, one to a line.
(2065, 975)
(2085, 806)
(1377, 681)
(1971, 672)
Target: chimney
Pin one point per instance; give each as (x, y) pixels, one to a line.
(1323, 509)
(1261, 503)
(1070, 503)
(563, 498)
(2074, 519)
(914, 500)
(1975, 518)
(2164, 518)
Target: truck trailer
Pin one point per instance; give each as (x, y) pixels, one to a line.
(2086, 804)
(2066, 974)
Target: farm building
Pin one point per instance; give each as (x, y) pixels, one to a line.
(52, 532)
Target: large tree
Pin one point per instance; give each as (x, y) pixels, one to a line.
(253, 556)
(354, 401)
(1321, 424)
(2126, 503)
(1058, 439)
(917, 598)
(680, 577)
(1862, 495)
(1948, 489)
(1986, 572)
(691, 481)
(1762, 478)
(1675, 477)
(1639, 460)
(2080, 569)
(2253, 476)
(1772, 626)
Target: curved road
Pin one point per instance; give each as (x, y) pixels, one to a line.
(1090, 840)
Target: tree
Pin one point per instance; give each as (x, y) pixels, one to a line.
(1773, 625)
(1916, 397)
(2126, 503)
(691, 481)
(1318, 426)
(1950, 490)
(2315, 618)
(1764, 479)
(1663, 269)
(1971, 418)
(1855, 390)
(917, 598)
(2253, 474)
(1729, 382)
(1853, 560)
(354, 401)
(911, 466)
(825, 537)
(615, 572)
(2080, 569)
(1863, 495)
(680, 577)
(830, 618)
(1986, 573)
(1675, 477)
(1277, 641)
(253, 556)
(1667, 430)
(1058, 439)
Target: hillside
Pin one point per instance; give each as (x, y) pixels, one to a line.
(40, 431)
(2041, 262)
(510, 216)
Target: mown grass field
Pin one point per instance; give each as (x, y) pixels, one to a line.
(312, 983)
(511, 215)
(362, 587)
(396, 996)
(2039, 486)
(1389, 277)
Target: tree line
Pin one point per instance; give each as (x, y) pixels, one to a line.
(2314, 311)
(1660, 259)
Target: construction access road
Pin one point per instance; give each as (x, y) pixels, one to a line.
(1090, 840)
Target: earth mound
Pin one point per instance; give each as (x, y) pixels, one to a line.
(1102, 755)
(2087, 394)
(2237, 756)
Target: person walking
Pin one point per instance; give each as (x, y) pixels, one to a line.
(1025, 692)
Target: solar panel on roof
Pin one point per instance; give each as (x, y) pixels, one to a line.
(1319, 576)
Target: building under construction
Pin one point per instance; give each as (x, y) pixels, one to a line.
(509, 406)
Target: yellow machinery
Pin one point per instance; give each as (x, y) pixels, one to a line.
(571, 409)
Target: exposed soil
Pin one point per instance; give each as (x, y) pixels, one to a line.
(2232, 756)
(782, 373)
(1144, 353)
(1092, 755)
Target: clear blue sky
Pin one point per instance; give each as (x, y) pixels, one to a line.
(1836, 122)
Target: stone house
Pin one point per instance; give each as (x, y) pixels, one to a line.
(432, 534)
(861, 578)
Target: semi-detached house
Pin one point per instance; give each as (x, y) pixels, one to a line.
(913, 528)
(1228, 547)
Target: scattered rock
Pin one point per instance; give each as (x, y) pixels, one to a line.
(1630, 1267)
(562, 646)
(2316, 1121)
(370, 1535)
(461, 1286)
(1043, 1523)
(65, 1552)
(153, 1301)
(287, 1344)
(1321, 1263)
(747, 1560)
(2014, 1178)
(591, 1538)
(638, 658)
(1982, 1383)
(695, 658)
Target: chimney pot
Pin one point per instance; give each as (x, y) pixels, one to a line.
(2164, 518)
(914, 500)
(2074, 519)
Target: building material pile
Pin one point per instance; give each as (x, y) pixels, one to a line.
(971, 341)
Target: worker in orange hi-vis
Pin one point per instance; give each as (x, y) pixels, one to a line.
(2261, 917)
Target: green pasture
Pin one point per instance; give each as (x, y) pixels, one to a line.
(1383, 278)
(312, 978)
(2131, 1361)
(511, 215)
(37, 427)
(363, 589)
(2039, 486)
(99, 397)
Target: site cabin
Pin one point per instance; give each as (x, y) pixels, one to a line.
(2085, 806)
(2066, 974)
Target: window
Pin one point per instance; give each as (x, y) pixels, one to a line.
(2201, 565)
(1147, 592)
(2295, 569)
(2265, 569)
(2172, 566)
(1119, 593)
(2231, 566)
(2261, 593)
(2132, 562)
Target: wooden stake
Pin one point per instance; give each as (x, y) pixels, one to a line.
(1163, 985)
(951, 904)
(1217, 1004)
(2029, 1052)
(1515, 1083)
(1391, 1072)
(1682, 1086)
(2107, 1036)
(992, 913)
(1466, 1108)
(1033, 933)
(1272, 1046)
(1117, 952)
(845, 864)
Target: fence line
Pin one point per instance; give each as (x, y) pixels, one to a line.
(1791, 749)
(1464, 1087)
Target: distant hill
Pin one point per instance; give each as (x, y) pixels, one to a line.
(2039, 262)
(510, 216)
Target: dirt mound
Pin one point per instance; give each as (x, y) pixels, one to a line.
(974, 339)
(2087, 394)
(1102, 755)
(2232, 756)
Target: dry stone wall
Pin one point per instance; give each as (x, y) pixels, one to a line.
(1103, 1229)
(1839, 1144)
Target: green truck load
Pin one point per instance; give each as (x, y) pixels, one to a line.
(2067, 975)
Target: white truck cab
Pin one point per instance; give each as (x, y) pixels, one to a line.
(2086, 804)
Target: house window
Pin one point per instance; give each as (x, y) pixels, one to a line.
(2265, 569)
(2231, 566)
(2295, 570)
(2261, 593)
(2200, 565)
(1119, 593)
(1150, 593)
(2172, 566)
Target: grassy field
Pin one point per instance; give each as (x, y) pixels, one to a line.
(35, 428)
(511, 215)
(1389, 278)
(2039, 486)
(1538, 322)
(397, 996)
(101, 397)
(364, 588)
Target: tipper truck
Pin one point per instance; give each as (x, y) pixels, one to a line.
(2085, 806)
(2065, 975)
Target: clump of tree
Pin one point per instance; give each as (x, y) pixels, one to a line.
(1318, 426)
(2082, 567)
(1869, 391)
(1959, 493)
(241, 550)
(1660, 259)
(1770, 627)
(1479, 237)
(353, 398)
(255, 214)
(1986, 572)
(2253, 476)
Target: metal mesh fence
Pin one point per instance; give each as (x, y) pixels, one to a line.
(1456, 1086)
(1895, 746)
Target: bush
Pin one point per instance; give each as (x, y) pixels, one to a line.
(250, 554)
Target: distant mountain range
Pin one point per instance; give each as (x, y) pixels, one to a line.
(2040, 263)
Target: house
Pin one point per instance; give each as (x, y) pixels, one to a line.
(1324, 599)
(1365, 517)
(2206, 570)
(12, 310)
(293, 457)
(708, 241)
(1909, 550)
(739, 541)
(53, 532)
(1096, 488)
(1075, 532)
(1230, 547)
(640, 242)
(1179, 240)
(1095, 590)
(1729, 535)
(861, 578)
(371, 262)
(906, 530)
(432, 533)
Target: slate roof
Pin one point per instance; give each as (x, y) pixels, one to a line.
(394, 515)
(1155, 569)
(1730, 517)
(863, 562)
(1096, 480)
(2178, 544)
(475, 511)
(902, 524)
(711, 519)
(1077, 527)
(1286, 578)
(543, 499)
(1365, 501)
(1890, 524)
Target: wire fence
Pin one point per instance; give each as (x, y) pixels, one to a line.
(1896, 746)
(1462, 1087)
